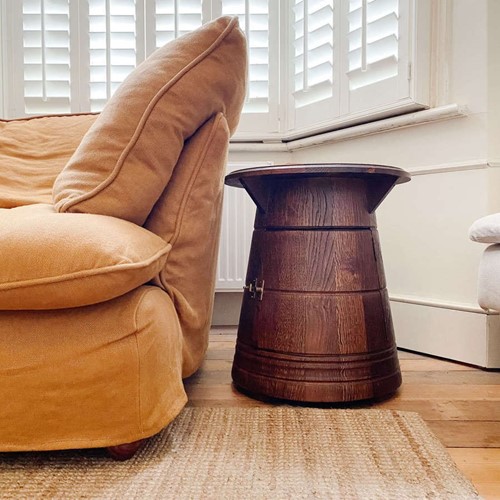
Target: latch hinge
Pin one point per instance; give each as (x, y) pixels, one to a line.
(255, 289)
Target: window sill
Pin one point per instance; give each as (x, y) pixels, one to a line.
(375, 127)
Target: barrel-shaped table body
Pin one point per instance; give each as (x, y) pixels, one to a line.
(315, 323)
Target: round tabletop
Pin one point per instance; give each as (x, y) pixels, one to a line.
(317, 170)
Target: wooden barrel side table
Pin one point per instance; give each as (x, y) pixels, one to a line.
(315, 322)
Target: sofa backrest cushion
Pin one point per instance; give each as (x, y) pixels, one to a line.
(127, 157)
(33, 151)
(188, 216)
(52, 261)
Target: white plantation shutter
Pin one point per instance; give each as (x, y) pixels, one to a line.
(254, 21)
(314, 65)
(256, 17)
(313, 58)
(114, 45)
(315, 85)
(46, 56)
(376, 65)
(373, 41)
(77, 52)
(351, 62)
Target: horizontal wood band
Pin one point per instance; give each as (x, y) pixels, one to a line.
(325, 391)
(327, 261)
(319, 361)
(317, 324)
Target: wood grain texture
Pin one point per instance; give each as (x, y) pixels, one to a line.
(465, 417)
(481, 467)
(319, 328)
(318, 325)
(315, 261)
(337, 203)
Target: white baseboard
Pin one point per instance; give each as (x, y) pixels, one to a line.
(227, 307)
(468, 336)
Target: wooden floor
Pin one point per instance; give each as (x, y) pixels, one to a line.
(460, 404)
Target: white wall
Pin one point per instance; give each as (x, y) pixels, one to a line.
(494, 82)
(431, 266)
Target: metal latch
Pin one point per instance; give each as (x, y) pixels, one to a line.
(255, 289)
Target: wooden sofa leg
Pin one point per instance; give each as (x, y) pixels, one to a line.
(125, 451)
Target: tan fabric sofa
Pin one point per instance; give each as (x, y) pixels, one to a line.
(109, 230)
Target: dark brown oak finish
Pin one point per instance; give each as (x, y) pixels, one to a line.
(315, 322)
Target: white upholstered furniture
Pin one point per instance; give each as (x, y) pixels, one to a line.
(487, 230)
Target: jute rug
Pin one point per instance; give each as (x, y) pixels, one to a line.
(256, 453)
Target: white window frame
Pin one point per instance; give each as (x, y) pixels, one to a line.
(414, 97)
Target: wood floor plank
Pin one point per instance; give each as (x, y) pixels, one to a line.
(466, 434)
(431, 364)
(217, 364)
(208, 378)
(213, 392)
(409, 355)
(473, 377)
(459, 392)
(220, 354)
(223, 344)
(448, 409)
(482, 467)
(224, 332)
(223, 374)
(482, 463)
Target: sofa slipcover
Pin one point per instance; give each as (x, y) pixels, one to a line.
(111, 373)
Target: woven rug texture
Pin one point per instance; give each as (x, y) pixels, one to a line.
(254, 453)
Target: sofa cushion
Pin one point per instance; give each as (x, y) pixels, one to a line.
(486, 229)
(188, 215)
(127, 157)
(33, 151)
(52, 260)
